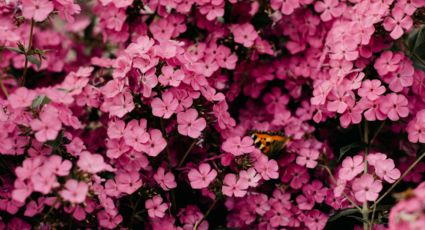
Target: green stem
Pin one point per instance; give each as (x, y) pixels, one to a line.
(3, 88)
(187, 153)
(365, 207)
(377, 132)
(27, 52)
(172, 195)
(195, 227)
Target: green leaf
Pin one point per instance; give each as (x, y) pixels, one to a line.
(21, 47)
(39, 101)
(347, 148)
(358, 218)
(415, 43)
(13, 49)
(34, 60)
(342, 213)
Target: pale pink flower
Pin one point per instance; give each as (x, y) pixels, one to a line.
(238, 146)
(48, 125)
(74, 192)
(234, 187)
(398, 23)
(201, 177)
(155, 207)
(366, 188)
(395, 106)
(165, 179)
(165, 107)
(351, 167)
(189, 124)
(36, 9)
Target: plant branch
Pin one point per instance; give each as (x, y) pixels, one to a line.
(377, 132)
(187, 153)
(195, 227)
(3, 88)
(365, 207)
(27, 53)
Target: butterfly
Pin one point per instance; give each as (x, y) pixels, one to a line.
(269, 143)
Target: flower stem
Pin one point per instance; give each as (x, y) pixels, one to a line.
(365, 207)
(3, 88)
(187, 153)
(195, 227)
(27, 53)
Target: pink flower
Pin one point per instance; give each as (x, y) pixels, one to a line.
(366, 188)
(170, 76)
(155, 144)
(251, 176)
(308, 157)
(43, 181)
(296, 175)
(74, 192)
(316, 190)
(395, 106)
(116, 129)
(397, 23)
(59, 167)
(155, 207)
(128, 182)
(22, 190)
(372, 112)
(136, 135)
(345, 50)
(371, 89)
(268, 169)
(48, 125)
(36, 9)
(259, 203)
(119, 105)
(385, 169)
(202, 177)
(165, 107)
(165, 179)
(402, 78)
(351, 167)
(21, 98)
(316, 220)
(238, 146)
(189, 124)
(108, 220)
(287, 7)
(92, 163)
(416, 128)
(375, 158)
(329, 9)
(388, 62)
(244, 34)
(233, 186)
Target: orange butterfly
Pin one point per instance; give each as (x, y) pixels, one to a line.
(269, 142)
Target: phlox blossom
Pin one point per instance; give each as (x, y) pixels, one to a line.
(74, 192)
(201, 177)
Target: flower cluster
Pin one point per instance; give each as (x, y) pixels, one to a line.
(139, 113)
(409, 212)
